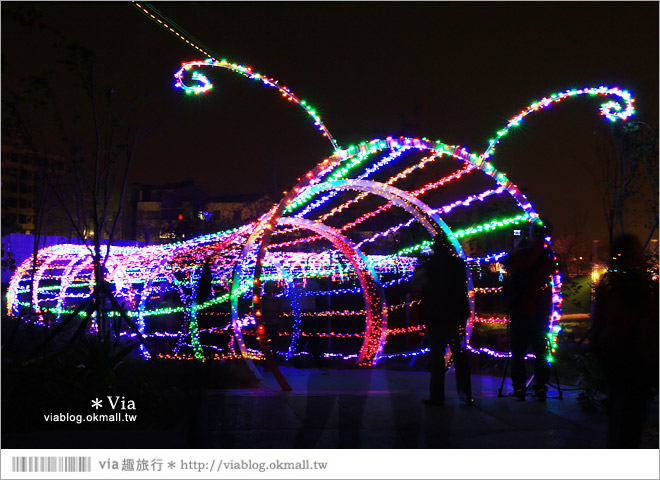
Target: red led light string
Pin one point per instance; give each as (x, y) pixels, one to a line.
(125, 268)
(359, 197)
(430, 186)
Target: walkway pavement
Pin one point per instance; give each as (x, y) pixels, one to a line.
(379, 408)
(357, 409)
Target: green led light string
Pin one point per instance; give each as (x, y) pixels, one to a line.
(342, 165)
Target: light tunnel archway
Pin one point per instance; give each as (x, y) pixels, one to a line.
(374, 298)
(375, 333)
(424, 214)
(63, 261)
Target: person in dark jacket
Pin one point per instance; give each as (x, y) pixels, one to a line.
(444, 310)
(624, 340)
(528, 290)
(272, 309)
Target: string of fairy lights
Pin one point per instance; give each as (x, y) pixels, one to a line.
(311, 244)
(201, 84)
(458, 233)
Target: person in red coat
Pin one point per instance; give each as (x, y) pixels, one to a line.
(528, 289)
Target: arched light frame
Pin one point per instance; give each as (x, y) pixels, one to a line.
(374, 296)
(423, 213)
(613, 110)
(203, 85)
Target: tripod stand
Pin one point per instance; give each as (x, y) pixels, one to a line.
(560, 394)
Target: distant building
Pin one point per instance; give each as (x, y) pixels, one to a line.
(166, 213)
(28, 178)
(22, 169)
(230, 211)
(179, 211)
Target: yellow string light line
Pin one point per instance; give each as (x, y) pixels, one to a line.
(488, 290)
(143, 8)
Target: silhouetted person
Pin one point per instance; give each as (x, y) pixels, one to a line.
(528, 291)
(315, 344)
(444, 310)
(624, 340)
(272, 309)
(205, 285)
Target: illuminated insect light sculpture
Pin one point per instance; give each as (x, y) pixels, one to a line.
(325, 177)
(238, 258)
(405, 174)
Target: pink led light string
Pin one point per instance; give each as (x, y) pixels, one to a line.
(612, 110)
(421, 212)
(456, 152)
(204, 86)
(180, 255)
(492, 172)
(125, 267)
(381, 209)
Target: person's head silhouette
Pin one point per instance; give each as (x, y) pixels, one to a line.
(442, 246)
(270, 287)
(540, 229)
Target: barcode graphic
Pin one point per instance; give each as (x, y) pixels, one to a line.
(51, 464)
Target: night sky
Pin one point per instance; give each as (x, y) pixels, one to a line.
(454, 72)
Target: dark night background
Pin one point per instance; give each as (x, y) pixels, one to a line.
(454, 72)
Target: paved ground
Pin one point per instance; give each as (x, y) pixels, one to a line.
(377, 408)
(358, 409)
